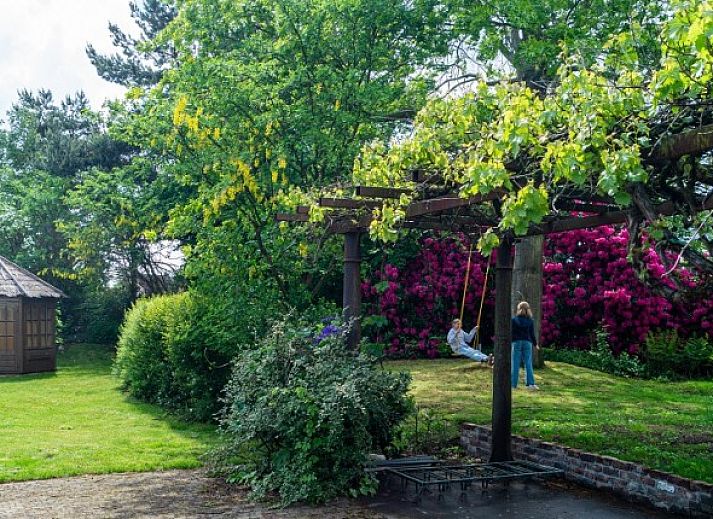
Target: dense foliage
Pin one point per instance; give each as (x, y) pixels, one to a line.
(176, 350)
(419, 300)
(612, 128)
(588, 285)
(303, 412)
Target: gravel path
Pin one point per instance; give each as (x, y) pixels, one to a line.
(175, 493)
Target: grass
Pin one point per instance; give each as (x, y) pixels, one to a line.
(663, 425)
(77, 421)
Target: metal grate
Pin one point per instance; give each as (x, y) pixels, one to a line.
(429, 475)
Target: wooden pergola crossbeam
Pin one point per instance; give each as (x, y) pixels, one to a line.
(291, 217)
(568, 205)
(380, 192)
(348, 203)
(610, 218)
(446, 203)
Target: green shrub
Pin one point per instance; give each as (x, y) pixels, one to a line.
(141, 357)
(200, 343)
(599, 358)
(697, 356)
(308, 412)
(98, 318)
(427, 431)
(661, 352)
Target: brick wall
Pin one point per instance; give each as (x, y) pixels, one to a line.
(628, 480)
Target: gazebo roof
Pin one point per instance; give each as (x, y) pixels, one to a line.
(18, 282)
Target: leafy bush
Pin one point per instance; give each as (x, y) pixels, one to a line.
(698, 356)
(176, 350)
(599, 358)
(667, 354)
(660, 351)
(141, 360)
(98, 318)
(427, 431)
(309, 413)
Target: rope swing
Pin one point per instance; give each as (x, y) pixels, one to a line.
(465, 290)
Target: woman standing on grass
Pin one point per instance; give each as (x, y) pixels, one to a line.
(523, 340)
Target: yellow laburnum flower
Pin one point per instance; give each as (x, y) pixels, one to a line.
(179, 110)
(282, 163)
(216, 133)
(275, 176)
(303, 249)
(192, 123)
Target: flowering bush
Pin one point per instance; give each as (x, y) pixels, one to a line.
(301, 418)
(588, 284)
(420, 300)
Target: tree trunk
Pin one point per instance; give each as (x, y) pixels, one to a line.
(527, 283)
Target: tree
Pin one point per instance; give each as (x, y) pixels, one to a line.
(269, 95)
(529, 37)
(45, 149)
(134, 66)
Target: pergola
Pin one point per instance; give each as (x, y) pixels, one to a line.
(439, 207)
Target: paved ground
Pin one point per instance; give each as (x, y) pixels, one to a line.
(189, 493)
(174, 494)
(532, 500)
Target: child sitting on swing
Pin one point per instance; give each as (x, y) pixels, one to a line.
(458, 341)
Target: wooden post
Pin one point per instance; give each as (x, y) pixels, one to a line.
(502, 395)
(351, 291)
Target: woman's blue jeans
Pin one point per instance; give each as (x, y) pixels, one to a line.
(522, 350)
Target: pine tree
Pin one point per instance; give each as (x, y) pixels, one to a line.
(132, 66)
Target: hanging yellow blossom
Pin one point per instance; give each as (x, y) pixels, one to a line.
(179, 111)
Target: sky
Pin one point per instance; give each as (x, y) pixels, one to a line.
(42, 45)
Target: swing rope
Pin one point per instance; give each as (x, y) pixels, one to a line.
(465, 289)
(465, 285)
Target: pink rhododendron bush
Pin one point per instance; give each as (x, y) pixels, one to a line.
(588, 284)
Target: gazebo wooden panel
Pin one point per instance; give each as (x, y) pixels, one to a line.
(27, 321)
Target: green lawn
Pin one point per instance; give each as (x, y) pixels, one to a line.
(77, 421)
(664, 425)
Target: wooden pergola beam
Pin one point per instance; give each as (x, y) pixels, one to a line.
(348, 203)
(690, 142)
(569, 205)
(446, 203)
(610, 218)
(380, 192)
(291, 217)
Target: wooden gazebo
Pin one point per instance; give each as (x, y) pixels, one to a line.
(27, 321)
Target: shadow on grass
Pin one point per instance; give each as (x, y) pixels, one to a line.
(95, 360)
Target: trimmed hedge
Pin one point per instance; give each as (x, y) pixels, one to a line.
(175, 350)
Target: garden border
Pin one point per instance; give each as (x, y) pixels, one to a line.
(629, 480)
